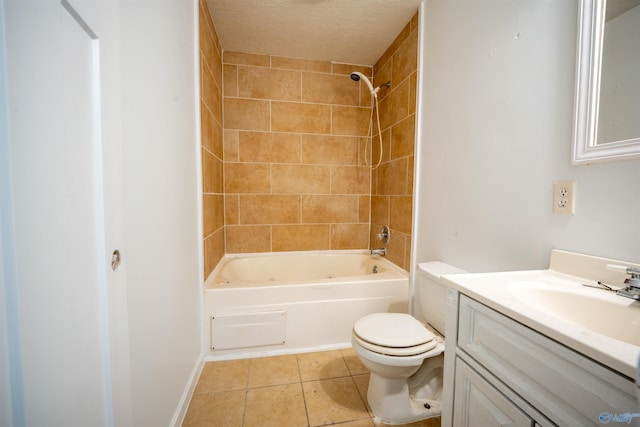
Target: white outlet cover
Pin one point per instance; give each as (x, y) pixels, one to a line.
(564, 197)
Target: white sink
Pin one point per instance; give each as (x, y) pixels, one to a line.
(595, 322)
(597, 310)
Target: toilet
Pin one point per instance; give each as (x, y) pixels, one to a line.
(405, 356)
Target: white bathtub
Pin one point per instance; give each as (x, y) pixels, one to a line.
(290, 302)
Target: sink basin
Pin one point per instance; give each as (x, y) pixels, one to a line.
(599, 311)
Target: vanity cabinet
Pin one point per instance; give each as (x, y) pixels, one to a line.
(499, 372)
(478, 403)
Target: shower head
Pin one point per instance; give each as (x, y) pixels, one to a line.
(356, 76)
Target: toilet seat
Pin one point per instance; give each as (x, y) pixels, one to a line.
(393, 334)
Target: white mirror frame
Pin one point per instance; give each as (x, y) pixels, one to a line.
(588, 65)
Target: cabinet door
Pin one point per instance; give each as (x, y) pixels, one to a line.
(477, 403)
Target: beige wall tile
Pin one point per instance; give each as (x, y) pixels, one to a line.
(214, 250)
(246, 178)
(406, 58)
(231, 209)
(248, 238)
(364, 209)
(400, 209)
(392, 178)
(269, 209)
(401, 37)
(206, 126)
(350, 180)
(403, 136)
(240, 58)
(215, 64)
(347, 69)
(231, 142)
(329, 209)
(380, 210)
(301, 237)
(230, 77)
(300, 179)
(300, 64)
(216, 105)
(395, 107)
(396, 248)
(407, 252)
(329, 150)
(212, 173)
(218, 139)
(412, 93)
(410, 174)
(330, 89)
(269, 147)
(268, 83)
(383, 75)
(349, 236)
(207, 85)
(212, 144)
(375, 148)
(286, 162)
(213, 213)
(303, 118)
(246, 114)
(350, 120)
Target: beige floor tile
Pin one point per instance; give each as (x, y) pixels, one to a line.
(275, 370)
(332, 401)
(216, 409)
(353, 362)
(321, 365)
(275, 406)
(223, 376)
(362, 383)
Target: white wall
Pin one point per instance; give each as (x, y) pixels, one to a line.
(150, 95)
(497, 113)
(160, 90)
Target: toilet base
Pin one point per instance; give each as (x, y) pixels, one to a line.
(392, 403)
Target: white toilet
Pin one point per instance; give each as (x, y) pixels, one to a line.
(404, 356)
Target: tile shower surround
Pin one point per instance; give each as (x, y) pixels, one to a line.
(283, 151)
(308, 389)
(294, 173)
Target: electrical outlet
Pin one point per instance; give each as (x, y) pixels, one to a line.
(564, 197)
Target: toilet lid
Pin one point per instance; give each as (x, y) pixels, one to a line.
(395, 330)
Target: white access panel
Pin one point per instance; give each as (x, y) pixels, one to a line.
(240, 330)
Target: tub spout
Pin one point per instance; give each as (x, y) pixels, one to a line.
(380, 251)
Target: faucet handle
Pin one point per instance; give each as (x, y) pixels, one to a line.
(634, 280)
(383, 236)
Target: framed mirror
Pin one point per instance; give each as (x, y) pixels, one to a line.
(607, 105)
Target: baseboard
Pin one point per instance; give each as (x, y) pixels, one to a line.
(185, 399)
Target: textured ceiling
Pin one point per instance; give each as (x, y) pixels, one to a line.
(349, 31)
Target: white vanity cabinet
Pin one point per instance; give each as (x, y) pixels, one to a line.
(499, 372)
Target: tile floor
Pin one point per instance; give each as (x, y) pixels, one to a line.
(308, 389)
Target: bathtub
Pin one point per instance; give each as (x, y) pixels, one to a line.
(292, 302)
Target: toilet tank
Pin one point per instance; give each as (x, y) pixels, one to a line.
(432, 293)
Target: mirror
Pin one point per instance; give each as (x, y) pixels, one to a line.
(607, 109)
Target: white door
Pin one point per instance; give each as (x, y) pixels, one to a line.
(66, 201)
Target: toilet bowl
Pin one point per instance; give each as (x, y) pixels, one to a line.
(404, 356)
